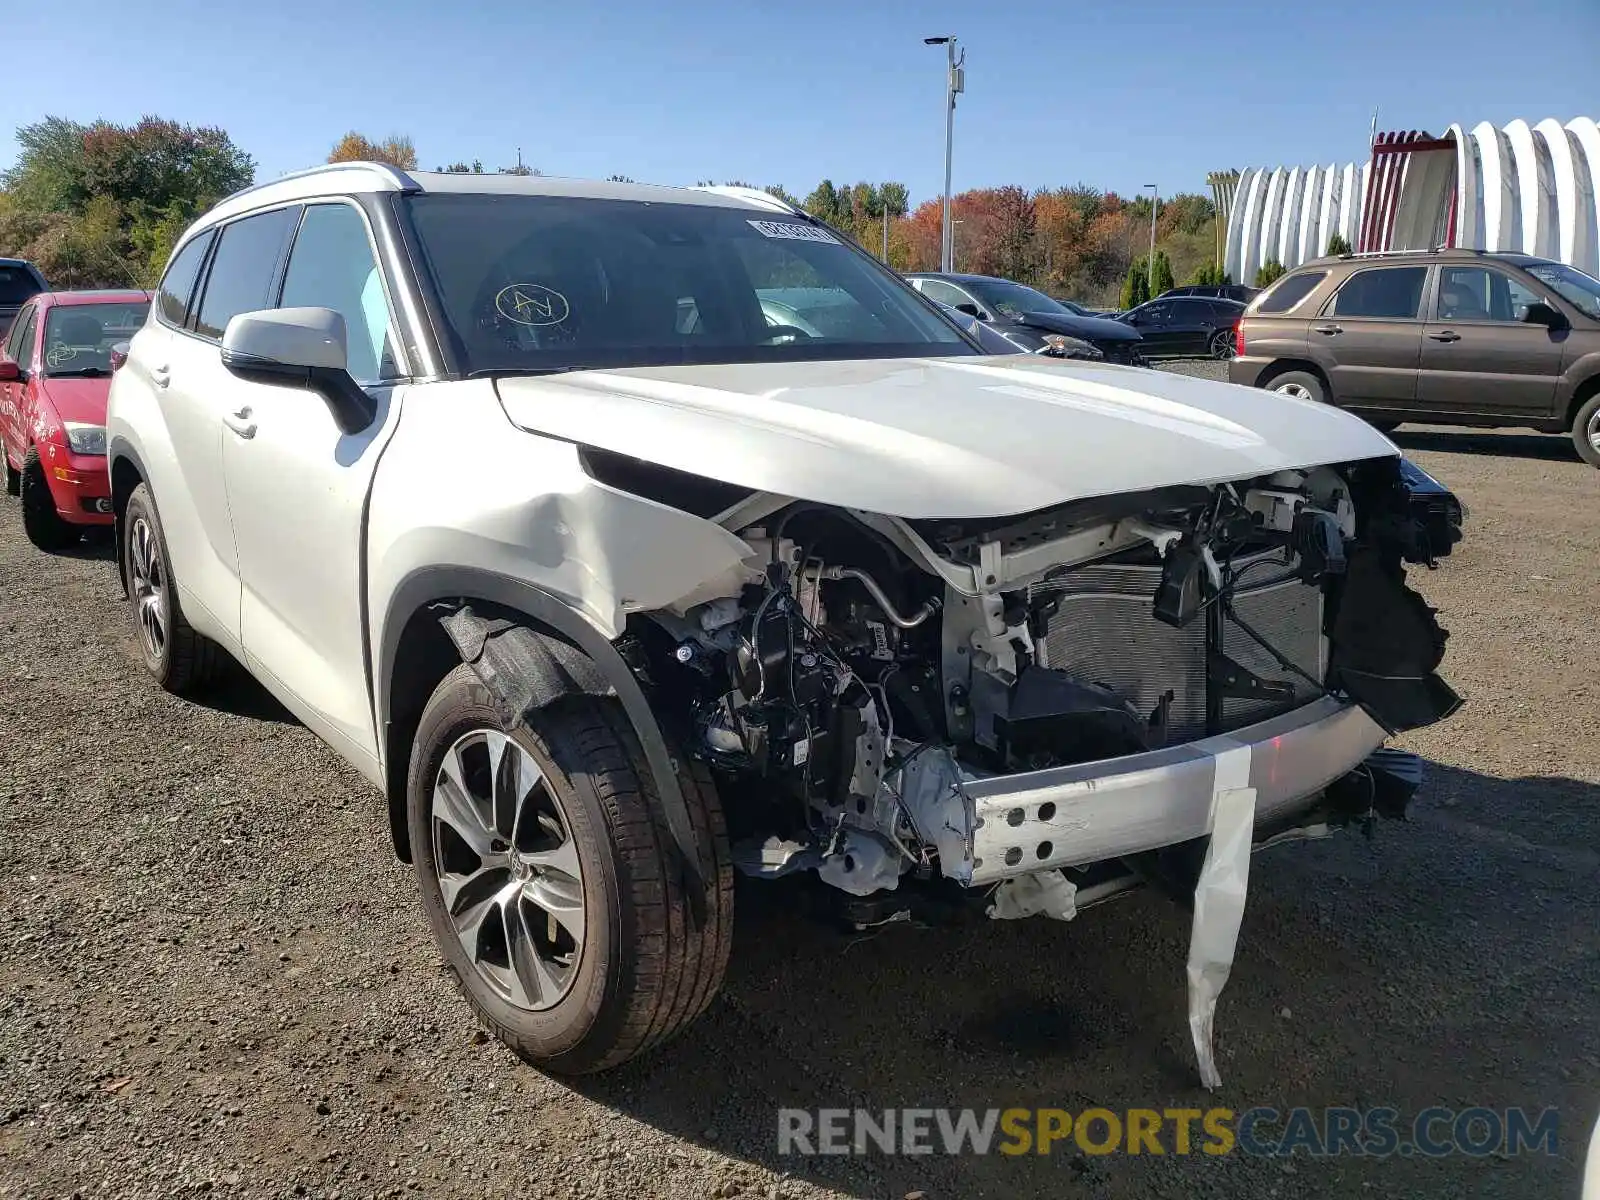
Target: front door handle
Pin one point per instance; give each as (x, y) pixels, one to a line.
(1446, 335)
(161, 376)
(239, 421)
(1329, 330)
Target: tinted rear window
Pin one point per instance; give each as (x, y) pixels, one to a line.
(242, 269)
(1290, 291)
(1394, 293)
(177, 286)
(17, 284)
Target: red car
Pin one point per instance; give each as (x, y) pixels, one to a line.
(55, 375)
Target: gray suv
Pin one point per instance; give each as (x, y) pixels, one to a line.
(1450, 337)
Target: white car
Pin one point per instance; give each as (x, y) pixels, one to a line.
(612, 582)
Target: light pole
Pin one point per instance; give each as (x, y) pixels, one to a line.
(1152, 262)
(953, 225)
(955, 82)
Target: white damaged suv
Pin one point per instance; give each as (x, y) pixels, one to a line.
(627, 536)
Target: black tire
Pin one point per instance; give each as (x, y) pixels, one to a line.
(1222, 345)
(40, 520)
(1383, 426)
(1308, 385)
(646, 967)
(180, 660)
(13, 476)
(1586, 430)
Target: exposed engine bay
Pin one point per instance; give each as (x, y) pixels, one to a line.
(864, 676)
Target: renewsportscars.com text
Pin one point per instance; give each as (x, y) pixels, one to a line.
(1372, 1132)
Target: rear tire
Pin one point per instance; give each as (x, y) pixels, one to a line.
(1586, 431)
(40, 520)
(1223, 345)
(571, 990)
(1300, 384)
(179, 659)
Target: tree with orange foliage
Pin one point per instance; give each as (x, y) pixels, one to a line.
(396, 150)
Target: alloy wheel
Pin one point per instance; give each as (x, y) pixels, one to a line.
(1593, 431)
(149, 587)
(1222, 344)
(1298, 390)
(508, 869)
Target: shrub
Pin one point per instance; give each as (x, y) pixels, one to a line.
(1269, 273)
(1337, 245)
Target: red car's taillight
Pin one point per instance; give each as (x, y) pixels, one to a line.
(1238, 340)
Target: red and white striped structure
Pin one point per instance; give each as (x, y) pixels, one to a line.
(1523, 187)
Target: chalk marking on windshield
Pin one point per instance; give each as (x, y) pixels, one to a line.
(531, 304)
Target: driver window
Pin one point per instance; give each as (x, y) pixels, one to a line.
(331, 266)
(1479, 294)
(17, 345)
(943, 293)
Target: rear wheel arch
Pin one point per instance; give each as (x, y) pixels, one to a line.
(1581, 395)
(1284, 366)
(127, 473)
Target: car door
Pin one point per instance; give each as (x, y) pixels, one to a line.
(18, 349)
(1368, 337)
(1189, 325)
(1479, 356)
(297, 489)
(196, 393)
(1151, 320)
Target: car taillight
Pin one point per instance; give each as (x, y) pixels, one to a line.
(1238, 340)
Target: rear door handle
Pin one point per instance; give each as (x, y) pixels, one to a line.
(161, 376)
(239, 421)
(1446, 335)
(1329, 330)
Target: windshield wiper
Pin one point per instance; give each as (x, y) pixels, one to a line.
(80, 373)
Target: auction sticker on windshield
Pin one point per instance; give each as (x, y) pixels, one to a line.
(793, 231)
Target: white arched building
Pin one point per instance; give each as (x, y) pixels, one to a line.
(1533, 188)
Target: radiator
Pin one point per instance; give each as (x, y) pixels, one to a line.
(1104, 633)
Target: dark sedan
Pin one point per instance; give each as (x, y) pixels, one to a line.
(1216, 291)
(1186, 326)
(1028, 317)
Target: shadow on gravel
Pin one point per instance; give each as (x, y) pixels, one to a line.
(237, 692)
(95, 546)
(1402, 951)
(1555, 447)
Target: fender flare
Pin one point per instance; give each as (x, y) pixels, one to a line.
(526, 668)
(118, 450)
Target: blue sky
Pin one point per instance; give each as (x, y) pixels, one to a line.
(1109, 92)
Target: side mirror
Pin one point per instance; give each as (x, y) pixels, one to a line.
(1540, 313)
(970, 309)
(119, 356)
(299, 347)
(10, 372)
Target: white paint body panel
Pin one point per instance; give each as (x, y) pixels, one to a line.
(940, 437)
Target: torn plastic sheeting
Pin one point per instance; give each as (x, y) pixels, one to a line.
(1049, 893)
(1219, 900)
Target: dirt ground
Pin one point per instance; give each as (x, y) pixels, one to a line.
(215, 979)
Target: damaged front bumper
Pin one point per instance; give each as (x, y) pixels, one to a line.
(996, 827)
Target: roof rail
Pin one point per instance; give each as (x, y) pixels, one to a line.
(754, 195)
(401, 181)
(1474, 250)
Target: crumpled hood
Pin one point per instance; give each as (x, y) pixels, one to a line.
(960, 437)
(1090, 329)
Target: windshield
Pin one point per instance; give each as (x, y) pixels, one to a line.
(1577, 289)
(546, 283)
(1013, 299)
(78, 337)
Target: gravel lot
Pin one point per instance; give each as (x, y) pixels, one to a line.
(215, 978)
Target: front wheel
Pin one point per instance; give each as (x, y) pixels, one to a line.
(40, 521)
(551, 882)
(1586, 431)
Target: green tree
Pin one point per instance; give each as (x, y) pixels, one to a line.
(1136, 284)
(475, 167)
(1269, 272)
(1164, 280)
(1337, 245)
(620, 179)
(823, 202)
